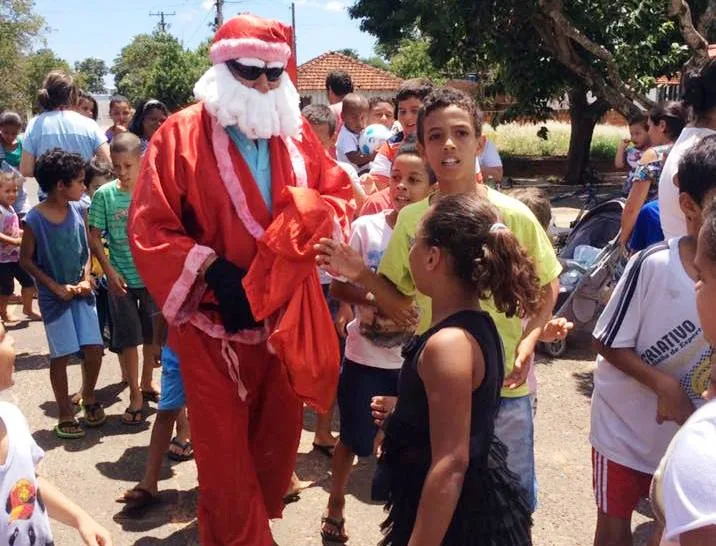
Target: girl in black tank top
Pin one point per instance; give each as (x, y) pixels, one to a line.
(446, 474)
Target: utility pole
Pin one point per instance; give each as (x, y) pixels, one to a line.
(162, 23)
(293, 27)
(219, 19)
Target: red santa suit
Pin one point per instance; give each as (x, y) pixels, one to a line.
(196, 198)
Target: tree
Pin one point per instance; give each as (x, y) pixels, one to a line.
(377, 62)
(603, 54)
(90, 74)
(352, 53)
(37, 66)
(157, 66)
(411, 59)
(19, 28)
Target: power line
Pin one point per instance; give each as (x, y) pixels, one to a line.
(162, 23)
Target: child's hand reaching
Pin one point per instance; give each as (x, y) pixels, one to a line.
(339, 259)
(556, 329)
(92, 533)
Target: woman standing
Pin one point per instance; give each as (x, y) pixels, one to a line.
(61, 127)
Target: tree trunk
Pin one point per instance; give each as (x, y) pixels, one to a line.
(583, 118)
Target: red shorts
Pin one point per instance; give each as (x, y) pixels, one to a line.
(617, 488)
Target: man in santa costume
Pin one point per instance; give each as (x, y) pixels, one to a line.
(233, 192)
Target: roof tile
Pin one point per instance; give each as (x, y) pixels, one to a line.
(312, 74)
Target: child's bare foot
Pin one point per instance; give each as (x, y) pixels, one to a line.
(8, 317)
(32, 315)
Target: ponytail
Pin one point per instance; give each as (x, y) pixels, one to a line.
(507, 273)
(486, 255)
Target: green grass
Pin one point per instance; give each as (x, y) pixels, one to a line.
(516, 139)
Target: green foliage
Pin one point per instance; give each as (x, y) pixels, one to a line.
(37, 67)
(412, 59)
(19, 28)
(500, 39)
(377, 62)
(90, 74)
(348, 52)
(158, 66)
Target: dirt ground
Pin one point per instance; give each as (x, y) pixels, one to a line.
(97, 469)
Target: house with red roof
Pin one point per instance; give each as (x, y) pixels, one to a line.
(368, 80)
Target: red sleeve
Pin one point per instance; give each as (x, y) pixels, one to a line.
(167, 258)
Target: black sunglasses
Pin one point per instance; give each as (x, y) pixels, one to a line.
(252, 73)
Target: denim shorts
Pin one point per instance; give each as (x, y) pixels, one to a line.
(173, 396)
(76, 327)
(514, 426)
(357, 385)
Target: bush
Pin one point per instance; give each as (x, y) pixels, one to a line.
(517, 139)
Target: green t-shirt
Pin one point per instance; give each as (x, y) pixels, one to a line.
(516, 216)
(12, 156)
(108, 212)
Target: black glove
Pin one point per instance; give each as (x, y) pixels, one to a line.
(224, 278)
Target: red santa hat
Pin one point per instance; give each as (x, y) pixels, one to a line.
(248, 36)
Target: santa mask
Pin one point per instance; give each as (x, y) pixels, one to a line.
(259, 42)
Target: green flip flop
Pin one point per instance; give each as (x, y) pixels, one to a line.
(62, 430)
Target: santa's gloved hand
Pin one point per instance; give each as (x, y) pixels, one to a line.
(224, 278)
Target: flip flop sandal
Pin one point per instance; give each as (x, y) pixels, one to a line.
(151, 396)
(62, 430)
(133, 421)
(94, 414)
(186, 454)
(137, 498)
(326, 450)
(339, 525)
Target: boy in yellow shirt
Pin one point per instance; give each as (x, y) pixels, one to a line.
(450, 137)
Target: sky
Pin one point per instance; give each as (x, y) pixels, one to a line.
(101, 28)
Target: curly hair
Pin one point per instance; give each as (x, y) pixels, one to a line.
(486, 256)
(57, 166)
(95, 168)
(443, 97)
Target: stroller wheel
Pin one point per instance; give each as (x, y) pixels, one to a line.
(555, 349)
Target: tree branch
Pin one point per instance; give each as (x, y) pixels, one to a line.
(707, 18)
(694, 39)
(560, 35)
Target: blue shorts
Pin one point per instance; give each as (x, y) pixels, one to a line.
(76, 327)
(357, 385)
(514, 427)
(173, 396)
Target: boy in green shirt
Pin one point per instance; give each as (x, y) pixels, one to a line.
(130, 305)
(450, 137)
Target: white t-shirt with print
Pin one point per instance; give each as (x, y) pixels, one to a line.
(672, 219)
(369, 237)
(348, 142)
(653, 311)
(23, 519)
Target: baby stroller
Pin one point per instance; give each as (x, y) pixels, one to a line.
(592, 262)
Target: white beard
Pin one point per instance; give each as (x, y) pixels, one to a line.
(257, 115)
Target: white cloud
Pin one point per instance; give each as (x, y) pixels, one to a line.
(334, 5)
(207, 5)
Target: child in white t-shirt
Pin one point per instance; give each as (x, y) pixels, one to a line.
(373, 345)
(650, 360)
(28, 498)
(355, 119)
(684, 486)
